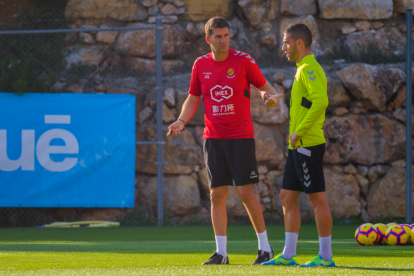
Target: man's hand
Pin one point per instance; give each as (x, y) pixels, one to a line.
(176, 128)
(271, 101)
(293, 139)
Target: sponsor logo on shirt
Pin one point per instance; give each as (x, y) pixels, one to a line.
(224, 109)
(230, 73)
(218, 93)
(206, 75)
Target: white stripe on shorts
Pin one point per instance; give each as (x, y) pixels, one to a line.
(305, 151)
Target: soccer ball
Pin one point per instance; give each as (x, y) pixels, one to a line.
(412, 235)
(407, 229)
(391, 224)
(366, 235)
(396, 235)
(381, 230)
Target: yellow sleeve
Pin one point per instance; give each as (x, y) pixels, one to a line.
(318, 96)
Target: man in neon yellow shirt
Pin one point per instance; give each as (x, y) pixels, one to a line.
(303, 170)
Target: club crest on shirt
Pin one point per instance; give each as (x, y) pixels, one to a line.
(230, 73)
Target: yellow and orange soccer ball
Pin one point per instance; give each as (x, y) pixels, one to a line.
(381, 234)
(412, 235)
(366, 234)
(381, 231)
(407, 229)
(391, 224)
(396, 235)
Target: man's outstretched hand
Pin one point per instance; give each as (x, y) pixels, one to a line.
(271, 101)
(176, 128)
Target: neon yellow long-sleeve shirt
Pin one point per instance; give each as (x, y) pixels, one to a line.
(308, 102)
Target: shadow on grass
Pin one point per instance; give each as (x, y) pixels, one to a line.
(376, 268)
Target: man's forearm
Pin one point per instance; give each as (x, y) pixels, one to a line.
(266, 90)
(189, 108)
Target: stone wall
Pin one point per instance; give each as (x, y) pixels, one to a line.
(340, 29)
(365, 122)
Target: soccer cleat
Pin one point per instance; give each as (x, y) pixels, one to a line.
(263, 256)
(279, 260)
(318, 261)
(217, 259)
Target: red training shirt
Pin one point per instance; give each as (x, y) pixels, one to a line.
(225, 86)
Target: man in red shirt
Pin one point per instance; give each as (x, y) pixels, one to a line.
(223, 78)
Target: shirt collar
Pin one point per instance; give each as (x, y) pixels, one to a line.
(305, 60)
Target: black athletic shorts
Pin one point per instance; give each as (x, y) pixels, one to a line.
(303, 170)
(229, 160)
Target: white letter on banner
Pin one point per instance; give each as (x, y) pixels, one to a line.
(27, 156)
(44, 149)
(57, 119)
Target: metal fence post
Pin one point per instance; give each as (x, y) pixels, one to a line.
(409, 210)
(160, 172)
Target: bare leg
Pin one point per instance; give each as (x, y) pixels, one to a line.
(323, 220)
(323, 215)
(291, 217)
(218, 197)
(246, 195)
(291, 212)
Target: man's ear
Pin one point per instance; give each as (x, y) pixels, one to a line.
(208, 40)
(300, 43)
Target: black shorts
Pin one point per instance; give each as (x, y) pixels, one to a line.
(229, 160)
(303, 170)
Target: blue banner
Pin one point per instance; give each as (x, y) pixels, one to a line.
(67, 150)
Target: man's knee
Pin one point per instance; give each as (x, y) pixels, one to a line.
(218, 195)
(317, 200)
(288, 198)
(246, 193)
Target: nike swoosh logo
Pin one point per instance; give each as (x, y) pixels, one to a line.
(312, 79)
(310, 73)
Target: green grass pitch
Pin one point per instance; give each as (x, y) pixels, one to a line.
(181, 250)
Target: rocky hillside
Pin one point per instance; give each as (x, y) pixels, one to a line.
(352, 30)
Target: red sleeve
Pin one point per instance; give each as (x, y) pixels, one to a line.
(195, 85)
(254, 76)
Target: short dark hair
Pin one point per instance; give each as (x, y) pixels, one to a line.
(300, 31)
(215, 22)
